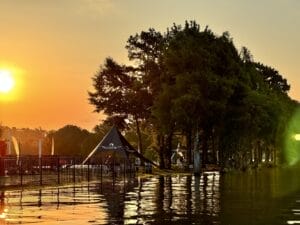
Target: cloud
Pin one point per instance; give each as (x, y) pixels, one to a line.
(98, 7)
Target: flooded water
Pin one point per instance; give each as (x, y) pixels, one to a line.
(263, 197)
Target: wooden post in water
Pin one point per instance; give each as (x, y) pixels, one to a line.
(40, 198)
(57, 198)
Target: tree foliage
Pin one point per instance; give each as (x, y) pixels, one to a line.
(190, 82)
(69, 140)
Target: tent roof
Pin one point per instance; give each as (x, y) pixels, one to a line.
(115, 141)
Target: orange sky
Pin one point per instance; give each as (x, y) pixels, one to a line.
(54, 47)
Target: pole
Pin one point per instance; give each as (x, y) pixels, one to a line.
(197, 161)
(41, 170)
(113, 172)
(21, 173)
(101, 169)
(40, 161)
(101, 166)
(88, 170)
(58, 170)
(74, 179)
(124, 171)
(40, 148)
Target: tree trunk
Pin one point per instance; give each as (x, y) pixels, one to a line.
(197, 159)
(214, 149)
(267, 154)
(168, 151)
(274, 156)
(204, 147)
(161, 144)
(256, 158)
(138, 131)
(189, 148)
(221, 155)
(259, 153)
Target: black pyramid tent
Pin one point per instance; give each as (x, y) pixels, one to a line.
(115, 142)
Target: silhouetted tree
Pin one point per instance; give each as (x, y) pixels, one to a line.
(118, 92)
(69, 140)
(192, 82)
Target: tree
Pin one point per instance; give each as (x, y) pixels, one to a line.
(69, 140)
(201, 69)
(190, 82)
(271, 76)
(119, 94)
(145, 50)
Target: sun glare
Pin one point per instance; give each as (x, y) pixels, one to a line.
(297, 137)
(6, 81)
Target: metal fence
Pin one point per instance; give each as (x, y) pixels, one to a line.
(56, 170)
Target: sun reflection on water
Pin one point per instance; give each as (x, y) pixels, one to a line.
(141, 201)
(179, 199)
(52, 206)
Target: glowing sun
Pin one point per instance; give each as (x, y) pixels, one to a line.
(6, 81)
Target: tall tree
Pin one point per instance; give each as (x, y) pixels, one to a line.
(201, 68)
(192, 82)
(119, 94)
(145, 50)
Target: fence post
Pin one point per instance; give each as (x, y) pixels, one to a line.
(114, 173)
(21, 171)
(88, 170)
(125, 168)
(101, 169)
(74, 179)
(58, 170)
(41, 170)
(2, 166)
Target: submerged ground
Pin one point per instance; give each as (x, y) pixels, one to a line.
(270, 196)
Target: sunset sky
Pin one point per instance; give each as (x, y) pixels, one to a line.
(54, 47)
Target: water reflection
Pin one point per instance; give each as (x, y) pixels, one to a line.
(153, 200)
(175, 200)
(260, 197)
(53, 206)
(271, 197)
(2, 206)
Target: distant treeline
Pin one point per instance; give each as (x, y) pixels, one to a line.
(69, 140)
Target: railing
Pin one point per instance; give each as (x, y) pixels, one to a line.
(55, 170)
